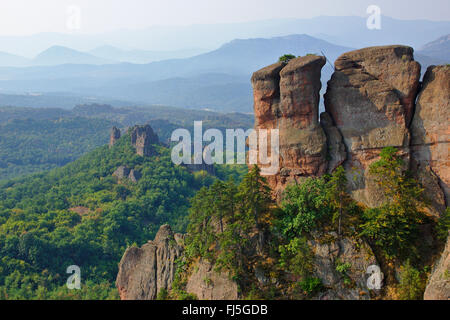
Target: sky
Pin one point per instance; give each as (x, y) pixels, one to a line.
(25, 17)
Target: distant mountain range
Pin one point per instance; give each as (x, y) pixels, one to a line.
(345, 31)
(438, 49)
(218, 80)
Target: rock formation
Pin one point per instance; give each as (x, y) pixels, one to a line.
(114, 136)
(124, 172)
(430, 132)
(336, 148)
(438, 287)
(206, 284)
(144, 272)
(356, 253)
(286, 97)
(370, 98)
(142, 138)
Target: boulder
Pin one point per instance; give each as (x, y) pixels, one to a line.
(370, 98)
(286, 97)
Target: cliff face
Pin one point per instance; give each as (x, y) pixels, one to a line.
(144, 272)
(438, 287)
(430, 131)
(286, 97)
(370, 104)
(370, 98)
(114, 136)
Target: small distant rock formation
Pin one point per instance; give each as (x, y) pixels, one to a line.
(134, 176)
(370, 98)
(286, 97)
(114, 136)
(430, 132)
(144, 272)
(438, 287)
(142, 138)
(124, 172)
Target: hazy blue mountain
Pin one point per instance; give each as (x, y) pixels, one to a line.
(438, 49)
(218, 80)
(58, 55)
(12, 60)
(141, 56)
(346, 31)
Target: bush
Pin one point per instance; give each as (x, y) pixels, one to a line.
(286, 58)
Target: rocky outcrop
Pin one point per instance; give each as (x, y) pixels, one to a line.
(114, 136)
(438, 287)
(207, 284)
(430, 132)
(348, 285)
(371, 99)
(286, 97)
(124, 172)
(142, 138)
(144, 272)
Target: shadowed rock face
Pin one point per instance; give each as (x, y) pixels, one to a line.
(144, 272)
(142, 138)
(286, 97)
(438, 287)
(114, 136)
(430, 132)
(371, 98)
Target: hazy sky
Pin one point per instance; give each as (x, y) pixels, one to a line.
(19, 17)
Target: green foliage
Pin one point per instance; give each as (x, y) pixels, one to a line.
(223, 218)
(163, 294)
(286, 58)
(443, 225)
(412, 283)
(393, 227)
(311, 286)
(28, 146)
(40, 236)
(297, 258)
(304, 207)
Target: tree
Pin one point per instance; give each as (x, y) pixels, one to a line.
(286, 58)
(393, 226)
(339, 199)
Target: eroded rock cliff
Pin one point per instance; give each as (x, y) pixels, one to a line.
(286, 97)
(145, 271)
(142, 138)
(430, 131)
(370, 98)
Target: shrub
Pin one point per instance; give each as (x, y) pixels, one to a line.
(286, 58)
(412, 284)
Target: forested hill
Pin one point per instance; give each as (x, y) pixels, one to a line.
(82, 214)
